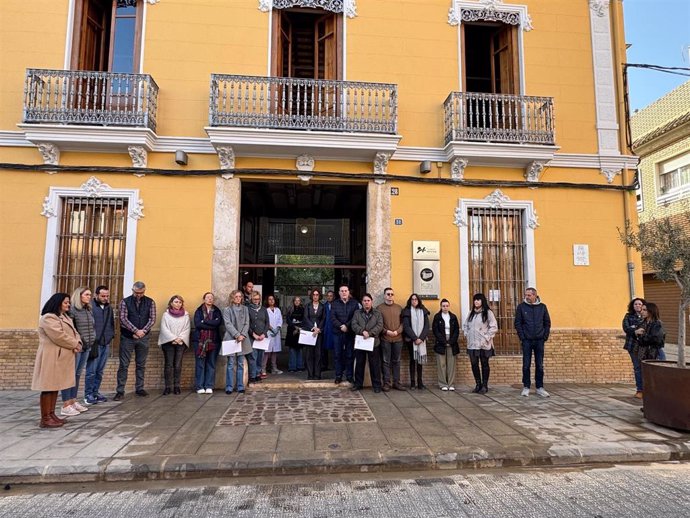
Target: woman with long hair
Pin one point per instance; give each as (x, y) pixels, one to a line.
(236, 319)
(415, 319)
(275, 322)
(294, 316)
(82, 318)
(480, 328)
(58, 343)
(174, 339)
(313, 321)
(650, 337)
(446, 332)
(206, 343)
(632, 321)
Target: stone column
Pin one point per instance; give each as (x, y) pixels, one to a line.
(226, 249)
(378, 239)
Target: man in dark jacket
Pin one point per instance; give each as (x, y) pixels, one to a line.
(104, 327)
(137, 316)
(342, 311)
(533, 325)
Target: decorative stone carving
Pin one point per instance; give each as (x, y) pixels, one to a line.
(265, 5)
(610, 174)
(381, 162)
(305, 163)
(136, 211)
(489, 10)
(534, 170)
(599, 7)
(152, 2)
(94, 188)
(532, 219)
(457, 168)
(453, 16)
(50, 153)
(138, 155)
(49, 210)
(226, 157)
(496, 199)
(459, 218)
(349, 7)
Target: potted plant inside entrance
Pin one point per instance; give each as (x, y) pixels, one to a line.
(665, 247)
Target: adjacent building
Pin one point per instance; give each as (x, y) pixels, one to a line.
(444, 146)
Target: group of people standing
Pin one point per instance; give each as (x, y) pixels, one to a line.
(75, 333)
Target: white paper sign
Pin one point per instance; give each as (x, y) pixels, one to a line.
(581, 255)
(307, 337)
(364, 344)
(262, 345)
(231, 347)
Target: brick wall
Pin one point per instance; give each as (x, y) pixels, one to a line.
(572, 355)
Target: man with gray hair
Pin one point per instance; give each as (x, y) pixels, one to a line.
(533, 325)
(137, 316)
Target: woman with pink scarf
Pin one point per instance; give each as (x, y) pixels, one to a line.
(174, 339)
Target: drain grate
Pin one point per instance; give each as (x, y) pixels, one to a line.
(302, 406)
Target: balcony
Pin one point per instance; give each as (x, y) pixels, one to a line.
(85, 110)
(284, 116)
(499, 129)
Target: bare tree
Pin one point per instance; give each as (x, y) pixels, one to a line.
(665, 247)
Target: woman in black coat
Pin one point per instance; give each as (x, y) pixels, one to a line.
(415, 318)
(651, 336)
(206, 339)
(633, 321)
(294, 317)
(313, 321)
(446, 330)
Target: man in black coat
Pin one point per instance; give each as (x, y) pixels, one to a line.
(533, 325)
(342, 311)
(104, 325)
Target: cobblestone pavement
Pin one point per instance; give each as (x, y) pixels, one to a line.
(658, 490)
(303, 406)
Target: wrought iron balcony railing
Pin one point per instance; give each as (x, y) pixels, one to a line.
(480, 117)
(303, 104)
(85, 97)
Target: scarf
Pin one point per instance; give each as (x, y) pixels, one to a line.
(177, 313)
(206, 336)
(418, 327)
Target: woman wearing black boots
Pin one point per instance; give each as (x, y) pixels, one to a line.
(415, 319)
(480, 329)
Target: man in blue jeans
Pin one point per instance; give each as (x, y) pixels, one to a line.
(342, 311)
(104, 327)
(533, 325)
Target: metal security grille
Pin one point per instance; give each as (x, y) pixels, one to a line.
(497, 267)
(91, 244)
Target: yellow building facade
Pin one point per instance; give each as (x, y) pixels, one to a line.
(308, 143)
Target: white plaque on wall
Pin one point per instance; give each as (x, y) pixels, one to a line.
(427, 279)
(426, 250)
(581, 255)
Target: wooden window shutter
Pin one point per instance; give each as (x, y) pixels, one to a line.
(505, 63)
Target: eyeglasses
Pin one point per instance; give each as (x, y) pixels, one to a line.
(389, 294)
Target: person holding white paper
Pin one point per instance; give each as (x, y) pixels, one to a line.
(275, 322)
(258, 329)
(236, 319)
(415, 331)
(367, 322)
(313, 322)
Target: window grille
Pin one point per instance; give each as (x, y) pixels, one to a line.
(91, 243)
(497, 263)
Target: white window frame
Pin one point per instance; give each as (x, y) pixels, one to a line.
(494, 200)
(52, 210)
(666, 167)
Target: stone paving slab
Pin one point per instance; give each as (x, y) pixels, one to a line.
(301, 429)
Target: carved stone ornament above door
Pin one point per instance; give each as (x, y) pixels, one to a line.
(349, 7)
(489, 11)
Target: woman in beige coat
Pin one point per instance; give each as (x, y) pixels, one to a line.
(58, 343)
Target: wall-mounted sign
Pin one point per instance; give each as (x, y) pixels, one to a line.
(427, 279)
(398, 221)
(426, 250)
(581, 255)
(395, 191)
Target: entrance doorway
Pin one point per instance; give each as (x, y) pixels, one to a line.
(296, 237)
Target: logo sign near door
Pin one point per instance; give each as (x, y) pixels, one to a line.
(426, 270)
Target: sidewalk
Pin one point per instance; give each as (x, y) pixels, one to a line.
(291, 427)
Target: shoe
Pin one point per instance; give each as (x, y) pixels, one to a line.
(90, 400)
(177, 390)
(292, 370)
(79, 407)
(476, 389)
(386, 387)
(541, 392)
(354, 388)
(209, 391)
(525, 391)
(201, 391)
(263, 375)
(412, 386)
(377, 390)
(338, 381)
(119, 396)
(142, 393)
(451, 388)
(444, 389)
(484, 389)
(638, 394)
(101, 398)
(228, 392)
(351, 380)
(166, 391)
(277, 371)
(421, 387)
(398, 386)
(240, 391)
(69, 411)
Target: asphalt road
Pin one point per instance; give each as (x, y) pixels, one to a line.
(659, 490)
